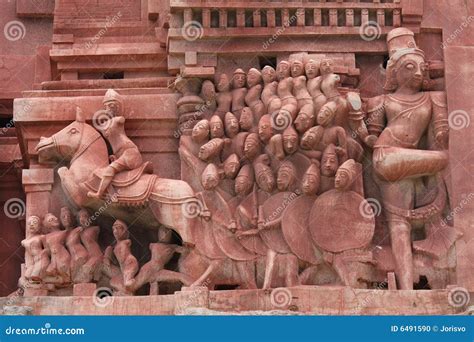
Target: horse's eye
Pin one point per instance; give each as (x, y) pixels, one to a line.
(73, 131)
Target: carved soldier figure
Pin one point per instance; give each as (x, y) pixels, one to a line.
(224, 96)
(238, 92)
(89, 238)
(252, 147)
(289, 105)
(329, 166)
(265, 130)
(123, 255)
(270, 97)
(36, 257)
(297, 68)
(247, 120)
(286, 178)
(54, 241)
(252, 99)
(311, 179)
(216, 127)
(231, 125)
(208, 94)
(319, 137)
(77, 251)
(126, 154)
(314, 84)
(401, 119)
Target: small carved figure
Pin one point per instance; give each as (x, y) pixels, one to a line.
(247, 120)
(289, 105)
(122, 254)
(252, 147)
(224, 96)
(270, 97)
(77, 251)
(231, 125)
(238, 92)
(89, 238)
(265, 130)
(36, 256)
(253, 97)
(208, 94)
(313, 84)
(311, 179)
(216, 127)
(329, 166)
(54, 241)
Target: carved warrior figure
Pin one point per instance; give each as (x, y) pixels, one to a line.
(400, 120)
(208, 94)
(126, 154)
(270, 98)
(224, 96)
(238, 92)
(54, 242)
(253, 97)
(77, 251)
(36, 256)
(89, 238)
(121, 254)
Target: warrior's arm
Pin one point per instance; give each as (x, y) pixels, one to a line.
(440, 117)
(375, 115)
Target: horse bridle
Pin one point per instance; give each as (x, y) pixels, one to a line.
(82, 148)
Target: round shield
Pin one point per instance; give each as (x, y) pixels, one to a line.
(340, 221)
(273, 209)
(294, 225)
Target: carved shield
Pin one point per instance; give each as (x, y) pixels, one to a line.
(294, 225)
(340, 221)
(273, 209)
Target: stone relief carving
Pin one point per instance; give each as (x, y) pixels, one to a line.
(273, 184)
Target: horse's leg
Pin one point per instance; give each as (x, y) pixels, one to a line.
(269, 269)
(214, 264)
(172, 276)
(247, 274)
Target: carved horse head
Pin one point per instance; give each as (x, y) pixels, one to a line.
(71, 142)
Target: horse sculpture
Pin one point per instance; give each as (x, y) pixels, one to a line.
(140, 197)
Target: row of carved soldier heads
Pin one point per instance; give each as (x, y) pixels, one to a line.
(51, 223)
(260, 172)
(240, 79)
